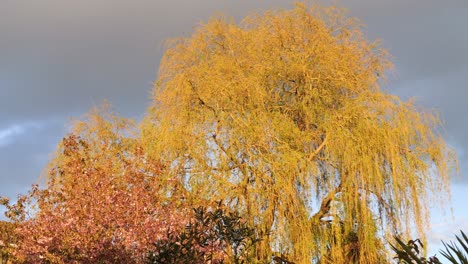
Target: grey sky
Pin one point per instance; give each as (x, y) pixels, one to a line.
(58, 58)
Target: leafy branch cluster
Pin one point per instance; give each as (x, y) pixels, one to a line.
(213, 236)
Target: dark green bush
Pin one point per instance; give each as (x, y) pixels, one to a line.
(212, 235)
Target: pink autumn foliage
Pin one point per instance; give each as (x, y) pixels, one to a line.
(104, 201)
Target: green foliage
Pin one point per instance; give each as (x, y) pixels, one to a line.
(213, 235)
(410, 252)
(452, 252)
(176, 248)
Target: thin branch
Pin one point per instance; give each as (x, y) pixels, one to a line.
(228, 154)
(317, 151)
(387, 207)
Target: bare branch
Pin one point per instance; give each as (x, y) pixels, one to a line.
(317, 151)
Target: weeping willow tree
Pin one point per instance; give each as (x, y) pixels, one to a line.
(282, 117)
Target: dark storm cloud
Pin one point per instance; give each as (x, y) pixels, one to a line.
(58, 58)
(63, 56)
(425, 38)
(428, 42)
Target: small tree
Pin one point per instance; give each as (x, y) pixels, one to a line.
(104, 200)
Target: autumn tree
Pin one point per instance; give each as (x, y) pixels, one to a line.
(283, 117)
(7, 240)
(103, 201)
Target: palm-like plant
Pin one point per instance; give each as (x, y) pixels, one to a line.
(409, 253)
(452, 251)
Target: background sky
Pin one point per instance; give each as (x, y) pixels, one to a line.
(58, 58)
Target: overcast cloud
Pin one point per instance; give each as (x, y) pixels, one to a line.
(59, 58)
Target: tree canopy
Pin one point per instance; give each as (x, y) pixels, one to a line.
(283, 117)
(103, 200)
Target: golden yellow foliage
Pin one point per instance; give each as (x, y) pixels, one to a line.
(282, 117)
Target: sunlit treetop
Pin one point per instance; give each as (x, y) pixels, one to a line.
(103, 199)
(282, 117)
